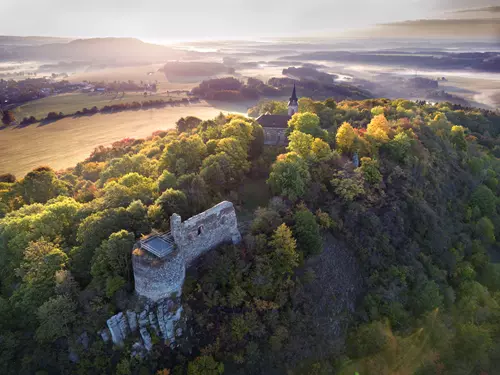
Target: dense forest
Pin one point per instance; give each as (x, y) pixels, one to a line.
(317, 85)
(370, 247)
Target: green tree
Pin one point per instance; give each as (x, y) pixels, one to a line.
(55, 319)
(166, 181)
(187, 123)
(196, 190)
(399, 147)
(40, 185)
(173, 201)
(284, 258)
(98, 227)
(306, 123)
(257, 145)
(118, 167)
(205, 365)
(218, 173)
(320, 150)
(472, 344)
(348, 187)
(306, 231)
(369, 339)
(41, 261)
(484, 199)
(237, 153)
(113, 257)
(184, 155)
(239, 129)
(458, 137)
(127, 189)
(370, 171)
(272, 107)
(485, 230)
(427, 297)
(300, 143)
(8, 117)
(289, 176)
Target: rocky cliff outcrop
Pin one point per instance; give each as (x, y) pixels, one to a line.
(161, 319)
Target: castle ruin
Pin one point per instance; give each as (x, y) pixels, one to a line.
(160, 261)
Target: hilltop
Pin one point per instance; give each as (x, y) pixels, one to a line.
(371, 246)
(93, 49)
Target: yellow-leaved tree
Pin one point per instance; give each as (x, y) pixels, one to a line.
(345, 138)
(378, 128)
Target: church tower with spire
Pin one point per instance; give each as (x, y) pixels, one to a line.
(293, 103)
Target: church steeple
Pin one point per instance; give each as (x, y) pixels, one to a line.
(293, 103)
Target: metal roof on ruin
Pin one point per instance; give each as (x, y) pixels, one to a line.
(159, 245)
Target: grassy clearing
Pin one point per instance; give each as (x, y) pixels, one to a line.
(64, 143)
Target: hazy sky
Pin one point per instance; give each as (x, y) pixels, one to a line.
(163, 20)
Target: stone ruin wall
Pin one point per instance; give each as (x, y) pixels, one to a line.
(156, 278)
(205, 231)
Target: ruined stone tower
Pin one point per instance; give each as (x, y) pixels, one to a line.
(160, 261)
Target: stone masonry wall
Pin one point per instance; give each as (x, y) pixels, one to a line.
(275, 136)
(156, 278)
(205, 231)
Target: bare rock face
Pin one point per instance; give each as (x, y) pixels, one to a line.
(105, 334)
(167, 319)
(159, 319)
(138, 349)
(132, 320)
(118, 326)
(146, 338)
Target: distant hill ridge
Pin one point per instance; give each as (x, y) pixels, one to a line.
(95, 49)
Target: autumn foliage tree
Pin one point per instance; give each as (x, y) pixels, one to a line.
(345, 138)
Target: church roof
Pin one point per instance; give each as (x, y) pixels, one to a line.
(294, 95)
(273, 121)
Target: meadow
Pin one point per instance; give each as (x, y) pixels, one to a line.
(63, 143)
(70, 103)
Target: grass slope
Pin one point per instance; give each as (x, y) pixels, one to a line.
(64, 143)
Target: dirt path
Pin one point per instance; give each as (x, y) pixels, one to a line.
(63, 143)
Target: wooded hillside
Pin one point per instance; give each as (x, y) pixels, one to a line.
(394, 200)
